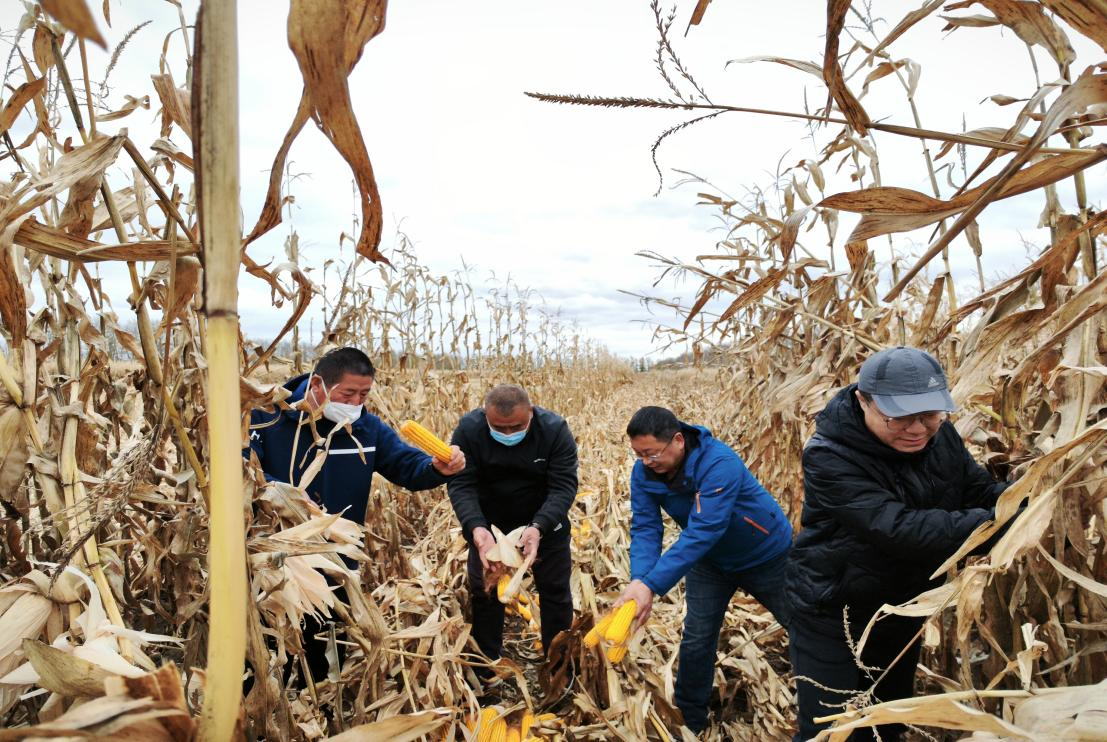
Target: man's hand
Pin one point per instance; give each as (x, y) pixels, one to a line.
(529, 541)
(640, 594)
(453, 466)
(484, 541)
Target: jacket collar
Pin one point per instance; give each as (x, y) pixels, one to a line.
(695, 436)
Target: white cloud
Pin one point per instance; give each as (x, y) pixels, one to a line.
(561, 197)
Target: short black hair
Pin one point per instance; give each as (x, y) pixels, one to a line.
(337, 363)
(659, 422)
(504, 398)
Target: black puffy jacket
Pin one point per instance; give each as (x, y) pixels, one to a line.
(511, 486)
(877, 522)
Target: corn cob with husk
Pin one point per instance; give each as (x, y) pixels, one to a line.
(426, 441)
(529, 721)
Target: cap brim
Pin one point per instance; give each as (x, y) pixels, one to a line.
(899, 405)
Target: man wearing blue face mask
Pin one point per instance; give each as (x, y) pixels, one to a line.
(521, 471)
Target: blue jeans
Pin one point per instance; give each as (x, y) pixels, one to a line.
(708, 591)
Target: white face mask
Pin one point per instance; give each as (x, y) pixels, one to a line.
(339, 413)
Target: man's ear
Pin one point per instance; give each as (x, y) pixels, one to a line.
(315, 389)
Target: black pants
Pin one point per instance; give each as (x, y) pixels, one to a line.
(551, 570)
(315, 649)
(817, 644)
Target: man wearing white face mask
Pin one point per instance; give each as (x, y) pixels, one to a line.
(327, 416)
(521, 471)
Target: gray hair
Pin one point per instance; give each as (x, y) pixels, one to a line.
(506, 397)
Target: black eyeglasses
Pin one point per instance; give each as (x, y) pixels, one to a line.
(930, 419)
(651, 458)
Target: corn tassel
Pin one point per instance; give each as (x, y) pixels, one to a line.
(426, 441)
(619, 629)
(592, 638)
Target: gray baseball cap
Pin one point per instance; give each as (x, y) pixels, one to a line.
(905, 381)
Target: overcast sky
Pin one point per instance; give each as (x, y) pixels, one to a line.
(562, 197)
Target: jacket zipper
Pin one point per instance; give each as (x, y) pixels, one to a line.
(756, 525)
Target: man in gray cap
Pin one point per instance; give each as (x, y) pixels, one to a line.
(890, 492)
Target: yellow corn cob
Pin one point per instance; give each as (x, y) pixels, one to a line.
(501, 586)
(524, 611)
(537, 645)
(499, 731)
(485, 724)
(513, 735)
(426, 441)
(527, 723)
(617, 653)
(592, 638)
(619, 628)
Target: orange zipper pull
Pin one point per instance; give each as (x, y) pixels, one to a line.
(758, 526)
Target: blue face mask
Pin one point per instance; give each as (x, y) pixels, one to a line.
(507, 439)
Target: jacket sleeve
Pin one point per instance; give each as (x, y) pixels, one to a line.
(861, 505)
(646, 530)
(404, 465)
(462, 487)
(561, 481)
(257, 442)
(719, 489)
(980, 491)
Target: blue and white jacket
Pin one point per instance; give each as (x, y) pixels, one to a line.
(727, 518)
(343, 483)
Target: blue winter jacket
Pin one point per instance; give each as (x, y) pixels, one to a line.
(343, 484)
(727, 518)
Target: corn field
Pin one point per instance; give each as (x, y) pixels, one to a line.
(154, 583)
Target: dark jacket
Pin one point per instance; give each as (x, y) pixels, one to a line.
(342, 485)
(512, 486)
(726, 517)
(878, 522)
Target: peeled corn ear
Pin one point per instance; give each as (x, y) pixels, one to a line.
(484, 725)
(592, 638)
(527, 723)
(513, 735)
(426, 441)
(619, 629)
(501, 587)
(616, 654)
